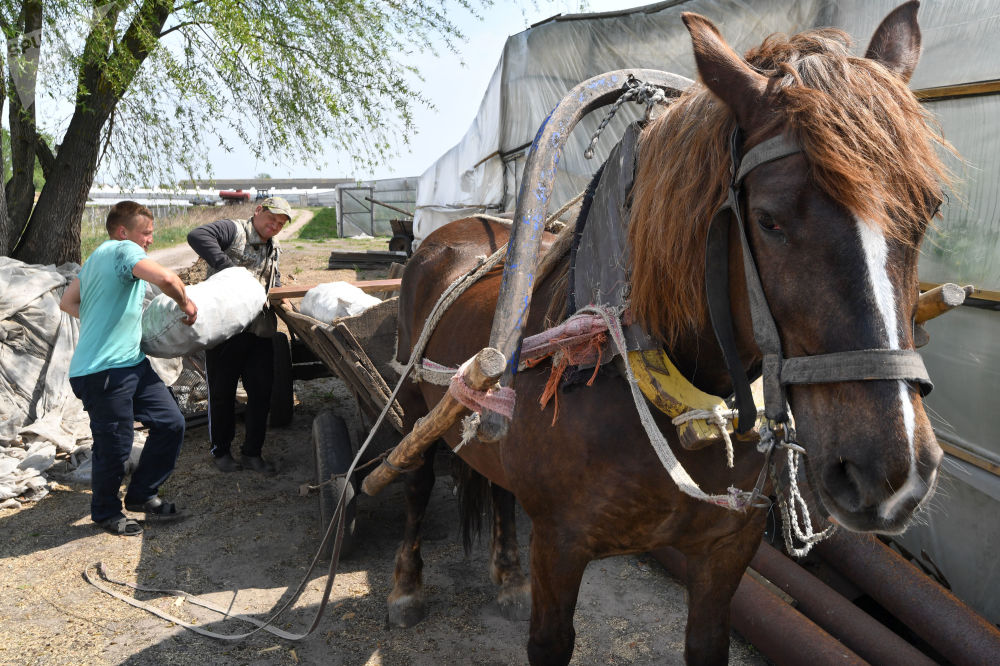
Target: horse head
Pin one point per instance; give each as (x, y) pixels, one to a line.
(834, 228)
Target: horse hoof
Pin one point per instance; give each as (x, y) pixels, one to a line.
(406, 611)
(515, 603)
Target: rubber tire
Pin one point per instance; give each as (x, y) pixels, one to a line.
(282, 391)
(333, 454)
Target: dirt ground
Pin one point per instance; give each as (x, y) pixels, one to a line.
(246, 544)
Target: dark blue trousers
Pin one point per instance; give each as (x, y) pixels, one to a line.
(250, 358)
(114, 400)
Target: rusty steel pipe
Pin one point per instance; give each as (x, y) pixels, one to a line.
(862, 633)
(781, 633)
(956, 631)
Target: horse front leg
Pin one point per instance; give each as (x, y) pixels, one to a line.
(406, 601)
(514, 597)
(712, 579)
(556, 571)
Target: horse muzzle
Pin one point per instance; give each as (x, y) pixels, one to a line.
(872, 458)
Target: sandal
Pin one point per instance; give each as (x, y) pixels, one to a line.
(121, 526)
(156, 508)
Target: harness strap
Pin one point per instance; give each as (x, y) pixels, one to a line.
(772, 149)
(858, 365)
(903, 364)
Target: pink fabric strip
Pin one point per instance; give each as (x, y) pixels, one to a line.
(499, 400)
(574, 330)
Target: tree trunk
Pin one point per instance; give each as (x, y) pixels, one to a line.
(53, 233)
(23, 132)
(7, 238)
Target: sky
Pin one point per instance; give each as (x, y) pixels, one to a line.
(456, 105)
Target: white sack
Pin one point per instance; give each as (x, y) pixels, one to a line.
(227, 302)
(333, 300)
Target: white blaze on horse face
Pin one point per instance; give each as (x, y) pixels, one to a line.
(876, 252)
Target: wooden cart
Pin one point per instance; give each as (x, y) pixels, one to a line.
(358, 350)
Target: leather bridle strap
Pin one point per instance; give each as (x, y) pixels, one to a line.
(849, 366)
(869, 364)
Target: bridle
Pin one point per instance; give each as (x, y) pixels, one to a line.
(778, 371)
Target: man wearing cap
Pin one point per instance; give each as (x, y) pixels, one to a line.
(249, 355)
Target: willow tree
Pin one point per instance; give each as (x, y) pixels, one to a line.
(144, 87)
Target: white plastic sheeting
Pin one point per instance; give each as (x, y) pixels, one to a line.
(537, 68)
(39, 415)
(539, 65)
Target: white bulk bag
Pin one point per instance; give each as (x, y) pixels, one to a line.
(227, 302)
(333, 300)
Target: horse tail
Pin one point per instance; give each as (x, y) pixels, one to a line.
(475, 500)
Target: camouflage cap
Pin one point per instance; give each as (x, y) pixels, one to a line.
(278, 206)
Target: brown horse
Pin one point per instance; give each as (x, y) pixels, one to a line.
(834, 230)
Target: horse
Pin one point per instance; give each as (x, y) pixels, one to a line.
(834, 229)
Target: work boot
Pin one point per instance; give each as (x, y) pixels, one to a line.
(226, 463)
(258, 464)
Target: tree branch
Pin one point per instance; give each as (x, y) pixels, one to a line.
(46, 158)
(178, 27)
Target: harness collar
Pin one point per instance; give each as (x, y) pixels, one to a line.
(777, 372)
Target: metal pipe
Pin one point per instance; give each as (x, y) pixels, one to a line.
(956, 631)
(781, 633)
(826, 607)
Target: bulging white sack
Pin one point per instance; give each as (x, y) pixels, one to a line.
(333, 300)
(227, 302)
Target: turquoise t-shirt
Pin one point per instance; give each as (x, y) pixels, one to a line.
(110, 310)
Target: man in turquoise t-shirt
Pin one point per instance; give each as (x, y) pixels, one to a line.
(112, 376)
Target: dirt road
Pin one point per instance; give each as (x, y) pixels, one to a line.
(182, 256)
(245, 546)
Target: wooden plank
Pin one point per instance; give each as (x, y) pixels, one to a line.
(961, 90)
(369, 376)
(298, 291)
(981, 294)
(970, 457)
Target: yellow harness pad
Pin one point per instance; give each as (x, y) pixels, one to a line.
(671, 392)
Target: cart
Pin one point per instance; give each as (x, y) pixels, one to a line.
(359, 351)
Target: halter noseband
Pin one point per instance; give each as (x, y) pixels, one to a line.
(777, 371)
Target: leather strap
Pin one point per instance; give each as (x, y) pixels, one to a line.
(867, 364)
(859, 365)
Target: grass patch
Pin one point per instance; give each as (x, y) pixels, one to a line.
(172, 231)
(322, 226)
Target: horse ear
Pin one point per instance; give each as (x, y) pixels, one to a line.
(896, 42)
(723, 71)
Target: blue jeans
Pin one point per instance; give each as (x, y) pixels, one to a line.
(115, 399)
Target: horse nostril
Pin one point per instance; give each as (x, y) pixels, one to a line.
(843, 483)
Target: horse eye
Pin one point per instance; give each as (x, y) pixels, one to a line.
(766, 222)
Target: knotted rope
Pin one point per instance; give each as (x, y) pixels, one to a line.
(793, 506)
(638, 91)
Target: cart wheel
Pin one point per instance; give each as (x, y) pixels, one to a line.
(400, 243)
(332, 446)
(282, 397)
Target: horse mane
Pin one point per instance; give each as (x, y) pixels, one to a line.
(869, 144)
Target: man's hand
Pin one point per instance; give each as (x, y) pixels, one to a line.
(169, 284)
(190, 310)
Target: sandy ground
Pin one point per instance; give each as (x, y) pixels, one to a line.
(246, 544)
